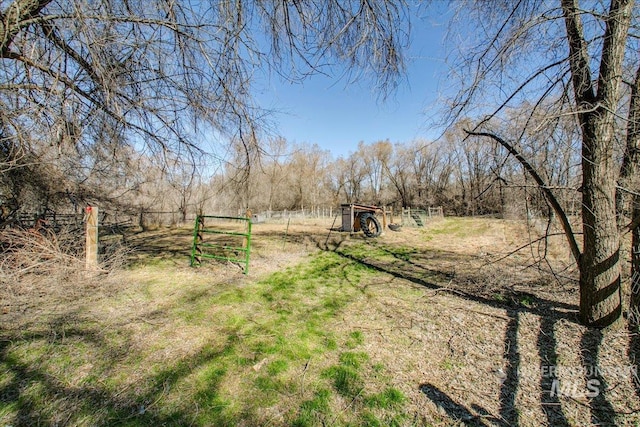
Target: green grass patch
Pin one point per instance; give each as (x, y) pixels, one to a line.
(499, 297)
(387, 399)
(527, 301)
(458, 227)
(449, 364)
(268, 384)
(345, 380)
(277, 366)
(355, 339)
(365, 250)
(353, 359)
(175, 350)
(314, 411)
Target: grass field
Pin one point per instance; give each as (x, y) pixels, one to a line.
(424, 327)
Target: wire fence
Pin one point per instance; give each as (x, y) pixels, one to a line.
(119, 222)
(301, 214)
(412, 217)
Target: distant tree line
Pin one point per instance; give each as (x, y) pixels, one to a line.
(466, 176)
(469, 176)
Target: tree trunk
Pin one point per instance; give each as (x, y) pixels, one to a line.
(634, 303)
(600, 300)
(628, 183)
(600, 296)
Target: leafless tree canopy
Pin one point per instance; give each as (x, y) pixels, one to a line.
(168, 75)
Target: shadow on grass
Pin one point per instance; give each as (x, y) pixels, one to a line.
(602, 413)
(457, 410)
(549, 311)
(31, 392)
(634, 356)
(433, 279)
(39, 397)
(43, 383)
(166, 243)
(547, 345)
(509, 387)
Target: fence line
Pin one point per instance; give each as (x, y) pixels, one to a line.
(121, 220)
(412, 217)
(315, 213)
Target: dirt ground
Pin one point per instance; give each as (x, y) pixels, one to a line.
(472, 330)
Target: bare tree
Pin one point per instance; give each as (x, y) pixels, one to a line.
(165, 75)
(276, 175)
(183, 179)
(398, 170)
(373, 157)
(306, 170)
(350, 174)
(580, 55)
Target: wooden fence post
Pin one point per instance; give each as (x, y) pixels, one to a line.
(92, 238)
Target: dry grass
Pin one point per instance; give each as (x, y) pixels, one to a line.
(40, 268)
(419, 327)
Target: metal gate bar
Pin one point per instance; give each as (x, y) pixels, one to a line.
(199, 248)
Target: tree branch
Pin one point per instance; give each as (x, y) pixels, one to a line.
(549, 196)
(635, 222)
(14, 19)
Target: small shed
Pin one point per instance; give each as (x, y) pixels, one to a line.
(258, 218)
(351, 215)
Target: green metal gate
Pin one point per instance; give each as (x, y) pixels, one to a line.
(213, 242)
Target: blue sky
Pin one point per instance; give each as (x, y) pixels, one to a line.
(336, 116)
